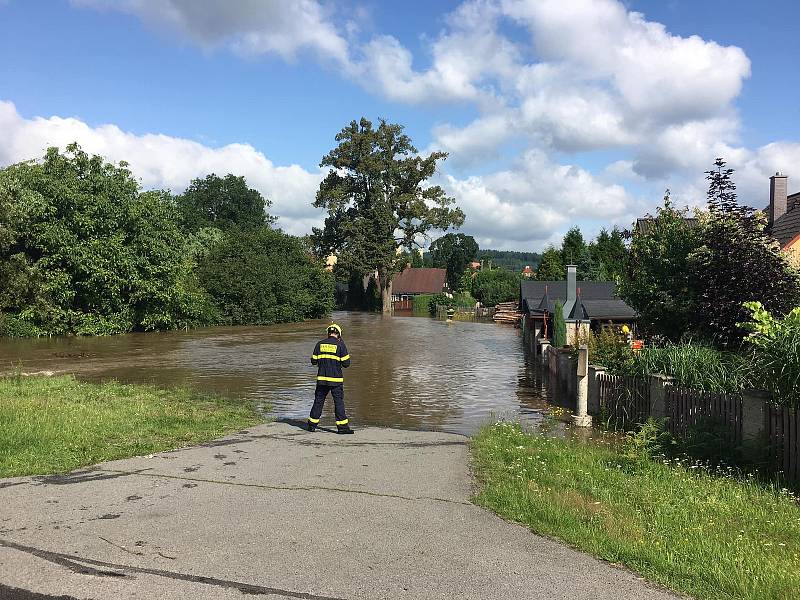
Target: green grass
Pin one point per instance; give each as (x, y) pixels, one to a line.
(56, 424)
(704, 534)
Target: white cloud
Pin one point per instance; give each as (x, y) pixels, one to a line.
(534, 202)
(249, 27)
(162, 161)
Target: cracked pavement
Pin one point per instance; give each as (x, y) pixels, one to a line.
(284, 513)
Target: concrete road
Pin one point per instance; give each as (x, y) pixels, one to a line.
(281, 512)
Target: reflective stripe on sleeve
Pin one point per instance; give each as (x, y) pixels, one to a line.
(345, 357)
(331, 379)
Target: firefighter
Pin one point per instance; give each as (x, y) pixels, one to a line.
(330, 355)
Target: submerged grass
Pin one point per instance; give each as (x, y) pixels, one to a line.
(56, 424)
(710, 536)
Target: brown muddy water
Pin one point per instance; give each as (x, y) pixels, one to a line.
(407, 372)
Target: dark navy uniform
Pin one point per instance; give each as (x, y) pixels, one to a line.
(330, 356)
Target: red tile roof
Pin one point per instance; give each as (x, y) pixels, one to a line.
(419, 281)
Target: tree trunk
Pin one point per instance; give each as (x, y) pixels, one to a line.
(386, 293)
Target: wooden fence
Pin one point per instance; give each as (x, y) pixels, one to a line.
(782, 426)
(624, 401)
(687, 408)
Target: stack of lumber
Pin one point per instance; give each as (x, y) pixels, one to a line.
(507, 313)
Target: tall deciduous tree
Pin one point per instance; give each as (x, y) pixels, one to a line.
(453, 252)
(378, 200)
(657, 281)
(222, 202)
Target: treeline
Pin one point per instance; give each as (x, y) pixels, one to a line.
(602, 259)
(510, 259)
(83, 250)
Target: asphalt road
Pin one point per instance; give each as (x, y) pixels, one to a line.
(284, 513)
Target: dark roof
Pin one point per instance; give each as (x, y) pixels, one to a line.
(608, 309)
(645, 224)
(787, 227)
(599, 298)
(419, 281)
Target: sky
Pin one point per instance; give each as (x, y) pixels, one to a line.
(554, 113)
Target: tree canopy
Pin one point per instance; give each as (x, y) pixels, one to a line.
(261, 276)
(551, 267)
(87, 253)
(222, 202)
(693, 276)
(493, 286)
(84, 251)
(378, 200)
(454, 252)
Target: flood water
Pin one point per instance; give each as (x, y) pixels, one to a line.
(407, 372)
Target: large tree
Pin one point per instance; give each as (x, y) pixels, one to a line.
(83, 251)
(657, 281)
(378, 200)
(454, 252)
(737, 263)
(609, 252)
(222, 202)
(493, 286)
(551, 268)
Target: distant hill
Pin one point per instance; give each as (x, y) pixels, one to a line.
(510, 259)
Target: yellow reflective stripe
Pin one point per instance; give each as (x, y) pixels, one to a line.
(331, 356)
(315, 421)
(314, 357)
(345, 422)
(345, 357)
(333, 379)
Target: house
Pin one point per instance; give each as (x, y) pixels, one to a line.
(586, 305)
(783, 218)
(413, 282)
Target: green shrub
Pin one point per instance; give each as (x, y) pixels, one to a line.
(777, 352)
(693, 365)
(262, 276)
(422, 304)
(559, 327)
(491, 287)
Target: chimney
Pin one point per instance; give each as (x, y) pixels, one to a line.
(572, 286)
(778, 192)
(572, 282)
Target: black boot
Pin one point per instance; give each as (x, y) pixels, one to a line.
(312, 427)
(342, 429)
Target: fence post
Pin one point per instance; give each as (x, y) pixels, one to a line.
(658, 405)
(593, 403)
(581, 417)
(753, 413)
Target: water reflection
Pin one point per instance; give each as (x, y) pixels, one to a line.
(409, 372)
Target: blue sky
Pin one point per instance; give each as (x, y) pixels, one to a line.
(554, 112)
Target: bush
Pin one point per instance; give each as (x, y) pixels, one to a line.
(423, 304)
(777, 352)
(263, 276)
(491, 287)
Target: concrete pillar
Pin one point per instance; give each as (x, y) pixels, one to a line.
(581, 417)
(593, 404)
(536, 334)
(753, 413)
(658, 384)
(543, 346)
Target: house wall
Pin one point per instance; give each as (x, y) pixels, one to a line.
(792, 250)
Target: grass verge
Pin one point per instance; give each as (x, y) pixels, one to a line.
(56, 424)
(695, 532)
